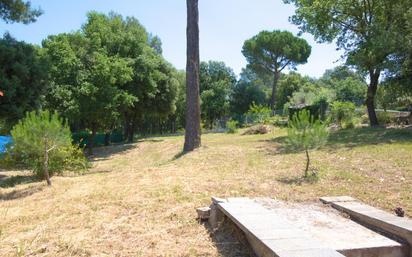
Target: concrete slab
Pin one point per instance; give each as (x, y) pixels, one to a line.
(390, 224)
(276, 228)
(309, 253)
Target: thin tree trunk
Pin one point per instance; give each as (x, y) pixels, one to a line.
(107, 138)
(307, 163)
(91, 140)
(130, 134)
(192, 133)
(46, 164)
(274, 86)
(370, 97)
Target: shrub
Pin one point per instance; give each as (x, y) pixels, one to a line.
(257, 113)
(343, 114)
(385, 117)
(306, 133)
(276, 120)
(43, 143)
(231, 126)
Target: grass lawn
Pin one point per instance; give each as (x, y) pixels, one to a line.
(140, 199)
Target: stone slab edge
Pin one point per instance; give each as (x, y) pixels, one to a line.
(301, 253)
(387, 223)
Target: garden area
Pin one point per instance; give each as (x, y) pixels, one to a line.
(140, 199)
(107, 147)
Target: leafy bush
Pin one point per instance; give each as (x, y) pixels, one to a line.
(306, 133)
(43, 143)
(257, 113)
(276, 120)
(231, 126)
(385, 118)
(343, 114)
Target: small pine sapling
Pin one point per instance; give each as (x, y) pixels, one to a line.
(305, 134)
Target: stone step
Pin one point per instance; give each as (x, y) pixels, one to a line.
(275, 228)
(399, 228)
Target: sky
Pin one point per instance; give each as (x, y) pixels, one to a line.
(224, 26)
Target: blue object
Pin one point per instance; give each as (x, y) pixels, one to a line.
(4, 141)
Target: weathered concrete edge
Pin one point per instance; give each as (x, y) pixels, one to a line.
(261, 249)
(386, 226)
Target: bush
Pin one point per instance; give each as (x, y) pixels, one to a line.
(343, 114)
(385, 118)
(306, 133)
(257, 113)
(276, 120)
(43, 143)
(231, 126)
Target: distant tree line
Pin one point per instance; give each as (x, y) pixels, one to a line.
(111, 76)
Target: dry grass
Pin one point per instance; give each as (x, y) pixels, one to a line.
(140, 199)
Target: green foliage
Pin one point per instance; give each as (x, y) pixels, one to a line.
(18, 11)
(386, 117)
(306, 133)
(231, 126)
(22, 79)
(216, 83)
(108, 74)
(272, 52)
(343, 114)
(370, 33)
(348, 85)
(276, 50)
(288, 85)
(43, 132)
(251, 88)
(276, 120)
(257, 113)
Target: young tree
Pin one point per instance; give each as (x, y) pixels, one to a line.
(192, 132)
(41, 139)
(306, 133)
(273, 52)
(369, 31)
(22, 79)
(18, 11)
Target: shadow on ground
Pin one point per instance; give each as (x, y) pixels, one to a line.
(104, 152)
(350, 138)
(229, 240)
(11, 181)
(21, 193)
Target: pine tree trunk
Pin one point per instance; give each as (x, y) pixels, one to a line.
(192, 133)
(370, 97)
(46, 164)
(274, 87)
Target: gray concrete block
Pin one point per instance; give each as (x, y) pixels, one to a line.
(309, 253)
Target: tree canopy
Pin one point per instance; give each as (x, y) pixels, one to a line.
(216, 82)
(18, 11)
(275, 51)
(22, 79)
(108, 74)
(369, 32)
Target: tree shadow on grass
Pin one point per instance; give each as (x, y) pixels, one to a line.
(313, 178)
(351, 138)
(6, 181)
(21, 193)
(104, 152)
(229, 240)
